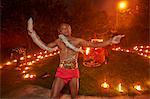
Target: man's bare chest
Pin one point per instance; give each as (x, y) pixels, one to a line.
(73, 42)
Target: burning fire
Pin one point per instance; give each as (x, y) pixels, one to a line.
(8, 63)
(105, 85)
(138, 87)
(120, 88)
(87, 50)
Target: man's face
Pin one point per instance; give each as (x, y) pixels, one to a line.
(65, 29)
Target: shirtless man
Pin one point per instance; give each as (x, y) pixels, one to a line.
(67, 71)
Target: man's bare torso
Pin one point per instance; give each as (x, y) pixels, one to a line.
(66, 54)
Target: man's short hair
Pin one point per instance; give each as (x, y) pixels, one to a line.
(62, 25)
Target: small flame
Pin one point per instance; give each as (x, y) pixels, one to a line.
(32, 76)
(8, 63)
(24, 71)
(105, 85)
(141, 46)
(29, 63)
(39, 56)
(120, 88)
(87, 50)
(1, 66)
(29, 56)
(140, 50)
(15, 60)
(46, 55)
(55, 53)
(21, 58)
(146, 51)
(33, 61)
(37, 59)
(138, 87)
(127, 51)
(26, 68)
(26, 76)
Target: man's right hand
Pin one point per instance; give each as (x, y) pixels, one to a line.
(30, 26)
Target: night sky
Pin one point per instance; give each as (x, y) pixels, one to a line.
(87, 18)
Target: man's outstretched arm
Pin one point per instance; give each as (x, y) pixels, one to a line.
(114, 40)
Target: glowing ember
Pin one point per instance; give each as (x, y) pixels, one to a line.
(141, 46)
(118, 48)
(135, 47)
(37, 59)
(15, 60)
(38, 56)
(33, 61)
(32, 76)
(120, 88)
(138, 87)
(105, 85)
(127, 51)
(29, 56)
(41, 53)
(87, 50)
(45, 52)
(26, 68)
(29, 63)
(26, 76)
(46, 55)
(146, 51)
(113, 49)
(55, 53)
(21, 58)
(121, 49)
(141, 54)
(41, 57)
(21, 65)
(1, 66)
(8, 63)
(24, 71)
(24, 63)
(34, 55)
(140, 50)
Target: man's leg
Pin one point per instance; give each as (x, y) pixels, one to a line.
(74, 87)
(57, 86)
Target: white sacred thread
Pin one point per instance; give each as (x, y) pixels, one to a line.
(68, 44)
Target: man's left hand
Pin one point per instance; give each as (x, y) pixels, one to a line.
(116, 39)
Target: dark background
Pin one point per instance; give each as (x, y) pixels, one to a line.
(88, 18)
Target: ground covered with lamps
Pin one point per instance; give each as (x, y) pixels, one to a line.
(126, 74)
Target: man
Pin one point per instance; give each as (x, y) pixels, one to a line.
(67, 71)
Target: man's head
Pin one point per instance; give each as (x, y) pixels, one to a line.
(64, 29)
